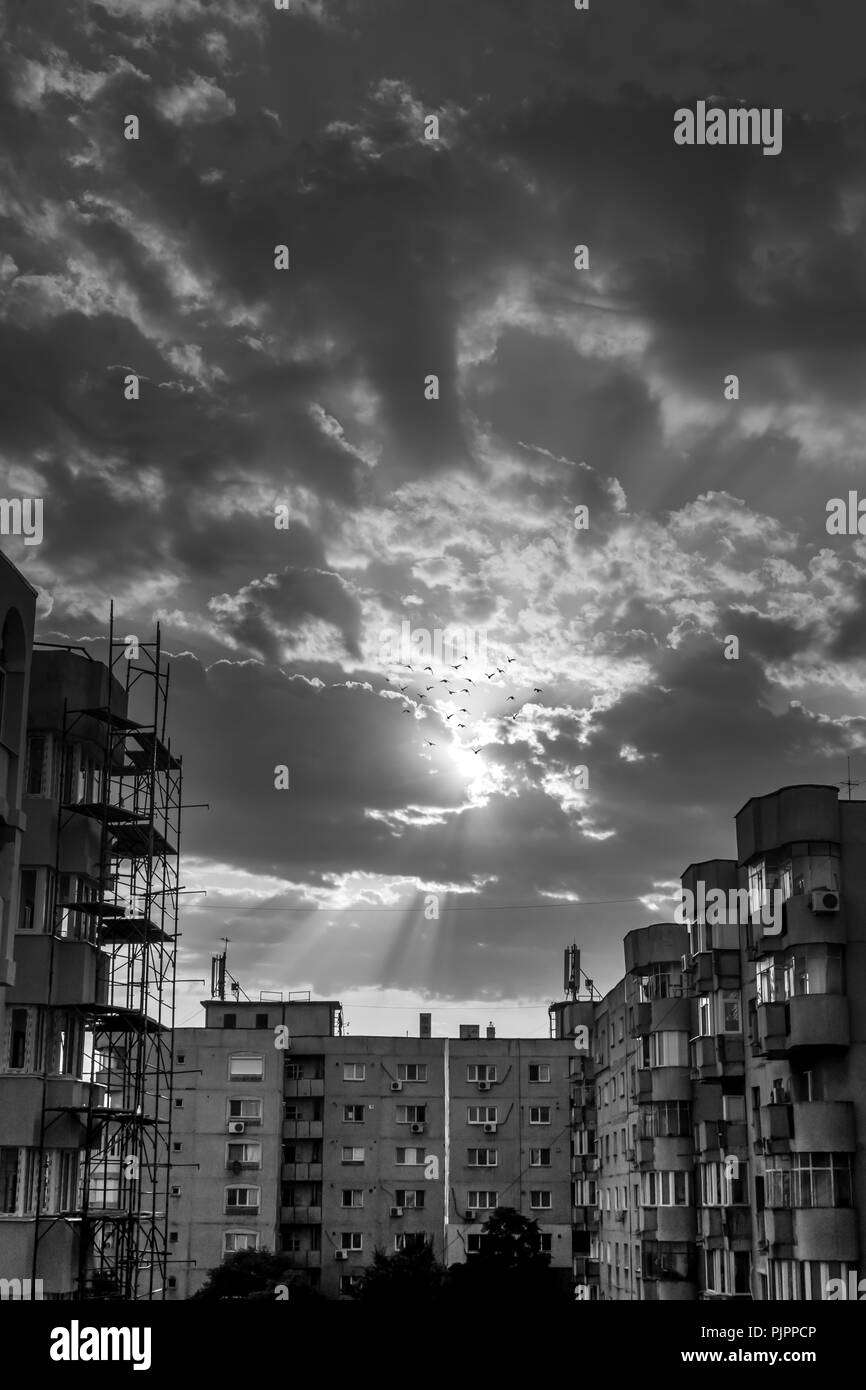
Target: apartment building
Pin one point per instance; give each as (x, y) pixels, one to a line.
(331, 1147)
(721, 1123)
(17, 617)
(84, 1099)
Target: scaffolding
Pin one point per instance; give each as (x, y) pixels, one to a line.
(130, 914)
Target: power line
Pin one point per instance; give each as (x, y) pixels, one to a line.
(480, 907)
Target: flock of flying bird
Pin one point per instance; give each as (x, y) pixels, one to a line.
(454, 680)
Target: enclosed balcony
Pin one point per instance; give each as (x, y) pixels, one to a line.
(301, 1216)
(818, 1023)
(823, 1124)
(302, 1129)
(304, 1086)
(301, 1172)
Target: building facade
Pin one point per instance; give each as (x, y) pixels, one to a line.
(330, 1147)
(721, 1127)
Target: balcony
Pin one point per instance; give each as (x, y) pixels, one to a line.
(770, 1033)
(302, 1129)
(585, 1218)
(717, 1055)
(737, 1226)
(302, 1259)
(826, 1233)
(663, 1083)
(669, 1290)
(304, 1086)
(803, 927)
(818, 1023)
(823, 1125)
(300, 1216)
(585, 1269)
(301, 1172)
(584, 1164)
(717, 969)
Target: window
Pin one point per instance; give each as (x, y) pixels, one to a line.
(667, 1189)
(719, 1189)
(411, 1158)
(411, 1114)
(482, 1115)
(666, 1119)
(411, 1071)
(731, 1019)
(482, 1158)
(177, 1146)
(246, 1066)
(261, 1020)
(539, 1158)
(9, 1174)
(406, 1240)
(352, 1197)
(666, 1049)
(242, 1198)
(410, 1197)
(539, 1071)
(482, 1201)
(540, 1199)
(246, 1155)
(546, 1242)
(474, 1242)
(178, 1102)
(539, 1114)
(294, 1071)
(480, 1072)
(247, 1109)
(27, 906)
(353, 1114)
(17, 1045)
(38, 761)
(354, 1071)
(230, 1020)
(809, 1180)
(348, 1284)
(622, 1085)
(351, 1240)
(233, 1241)
(352, 1154)
(181, 1058)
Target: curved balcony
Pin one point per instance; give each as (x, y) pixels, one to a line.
(826, 1233)
(818, 1023)
(804, 812)
(803, 927)
(823, 1125)
(663, 1083)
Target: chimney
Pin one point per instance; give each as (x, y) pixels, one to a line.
(491, 1031)
(470, 1030)
(425, 1030)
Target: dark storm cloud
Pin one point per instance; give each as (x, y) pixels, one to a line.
(558, 388)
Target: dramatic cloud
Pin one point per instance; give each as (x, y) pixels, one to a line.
(428, 396)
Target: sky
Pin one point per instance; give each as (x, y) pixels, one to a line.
(445, 511)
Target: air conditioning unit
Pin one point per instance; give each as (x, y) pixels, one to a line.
(417, 1128)
(236, 1127)
(396, 1211)
(484, 1085)
(824, 900)
(396, 1085)
(490, 1128)
(341, 1254)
